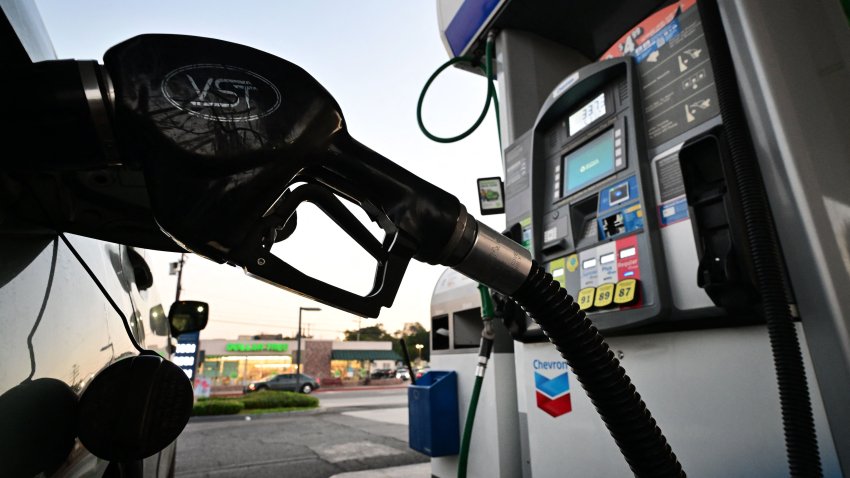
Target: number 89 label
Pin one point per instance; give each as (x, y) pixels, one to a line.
(604, 295)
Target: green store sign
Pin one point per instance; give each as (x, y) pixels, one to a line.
(236, 347)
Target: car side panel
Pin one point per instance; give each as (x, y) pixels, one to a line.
(286, 383)
(56, 323)
(150, 327)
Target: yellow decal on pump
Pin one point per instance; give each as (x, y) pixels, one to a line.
(572, 262)
(626, 292)
(556, 268)
(604, 295)
(585, 298)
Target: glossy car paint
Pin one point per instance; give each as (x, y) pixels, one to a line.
(54, 322)
(57, 324)
(285, 382)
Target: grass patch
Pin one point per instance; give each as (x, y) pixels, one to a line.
(275, 399)
(217, 407)
(265, 401)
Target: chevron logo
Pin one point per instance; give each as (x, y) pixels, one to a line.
(552, 392)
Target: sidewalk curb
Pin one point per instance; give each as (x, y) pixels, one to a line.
(361, 388)
(311, 411)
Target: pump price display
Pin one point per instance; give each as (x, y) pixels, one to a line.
(587, 114)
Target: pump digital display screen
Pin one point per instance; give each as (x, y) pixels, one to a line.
(589, 163)
(589, 113)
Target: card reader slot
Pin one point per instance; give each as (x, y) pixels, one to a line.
(583, 221)
(554, 246)
(613, 225)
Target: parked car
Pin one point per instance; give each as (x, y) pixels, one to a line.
(403, 373)
(383, 373)
(286, 381)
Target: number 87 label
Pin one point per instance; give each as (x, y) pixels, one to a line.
(626, 292)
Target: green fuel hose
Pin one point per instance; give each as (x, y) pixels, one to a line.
(467, 428)
(484, 350)
(491, 93)
(487, 334)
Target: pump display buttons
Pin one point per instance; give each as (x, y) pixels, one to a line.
(626, 292)
(604, 295)
(618, 149)
(618, 194)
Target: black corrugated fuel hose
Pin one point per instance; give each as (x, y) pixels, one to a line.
(801, 445)
(609, 388)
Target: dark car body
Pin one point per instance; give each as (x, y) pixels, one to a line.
(57, 326)
(288, 382)
(383, 373)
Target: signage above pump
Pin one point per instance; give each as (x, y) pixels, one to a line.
(256, 347)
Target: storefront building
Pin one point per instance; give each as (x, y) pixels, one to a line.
(246, 359)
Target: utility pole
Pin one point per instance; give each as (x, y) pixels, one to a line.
(177, 267)
(179, 275)
(298, 355)
(358, 329)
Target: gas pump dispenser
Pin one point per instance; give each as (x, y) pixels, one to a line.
(631, 176)
(597, 236)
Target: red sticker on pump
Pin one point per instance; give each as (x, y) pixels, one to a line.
(646, 29)
(628, 264)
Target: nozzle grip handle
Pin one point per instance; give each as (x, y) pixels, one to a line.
(426, 213)
(392, 255)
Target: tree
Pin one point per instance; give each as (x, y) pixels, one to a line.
(413, 333)
(374, 332)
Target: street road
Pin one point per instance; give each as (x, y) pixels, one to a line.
(352, 431)
(388, 398)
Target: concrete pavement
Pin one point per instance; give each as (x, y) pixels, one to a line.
(386, 415)
(421, 470)
(394, 397)
(353, 432)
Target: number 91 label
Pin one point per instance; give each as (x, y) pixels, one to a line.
(585, 298)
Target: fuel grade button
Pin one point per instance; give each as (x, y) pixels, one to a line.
(585, 298)
(626, 292)
(604, 295)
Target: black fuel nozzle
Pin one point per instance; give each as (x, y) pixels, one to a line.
(233, 139)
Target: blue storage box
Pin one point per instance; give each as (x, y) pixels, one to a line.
(433, 414)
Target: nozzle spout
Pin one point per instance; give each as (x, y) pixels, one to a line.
(496, 260)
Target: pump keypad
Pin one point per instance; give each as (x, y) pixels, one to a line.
(585, 298)
(604, 295)
(626, 292)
